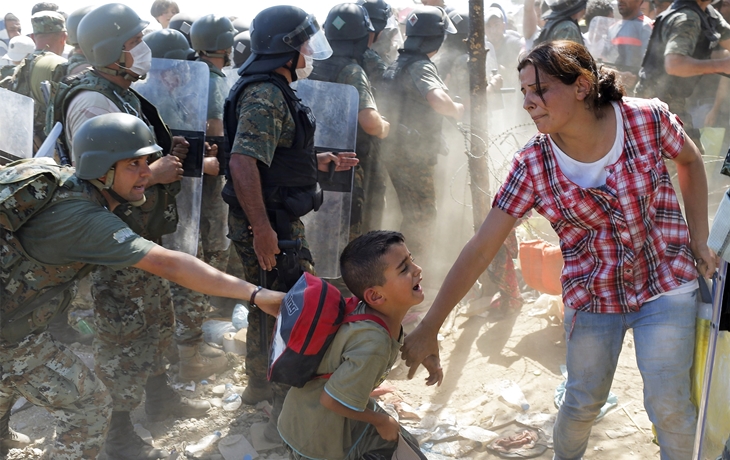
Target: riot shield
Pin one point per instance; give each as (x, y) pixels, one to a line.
(231, 76)
(179, 90)
(16, 126)
(335, 107)
(600, 39)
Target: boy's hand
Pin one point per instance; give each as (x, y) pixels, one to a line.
(389, 429)
(435, 373)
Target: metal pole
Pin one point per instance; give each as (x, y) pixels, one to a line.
(478, 166)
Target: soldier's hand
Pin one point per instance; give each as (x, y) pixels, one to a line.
(166, 170)
(386, 129)
(459, 108)
(211, 166)
(495, 83)
(266, 247)
(343, 161)
(211, 150)
(180, 147)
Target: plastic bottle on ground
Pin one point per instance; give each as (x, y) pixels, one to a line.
(231, 399)
(203, 444)
(240, 316)
(512, 394)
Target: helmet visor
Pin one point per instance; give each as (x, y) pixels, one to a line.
(308, 38)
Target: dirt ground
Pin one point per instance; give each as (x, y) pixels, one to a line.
(477, 354)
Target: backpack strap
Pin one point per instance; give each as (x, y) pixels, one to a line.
(352, 319)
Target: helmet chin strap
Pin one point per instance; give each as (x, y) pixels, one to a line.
(107, 185)
(293, 68)
(123, 73)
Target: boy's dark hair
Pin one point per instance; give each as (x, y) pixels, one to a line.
(160, 7)
(361, 262)
(43, 6)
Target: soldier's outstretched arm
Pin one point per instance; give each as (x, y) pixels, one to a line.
(372, 123)
(194, 274)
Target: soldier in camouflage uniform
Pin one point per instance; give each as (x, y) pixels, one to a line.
(372, 62)
(272, 179)
(680, 51)
(111, 153)
(561, 22)
(45, 63)
(133, 309)
(348, 29)
(416, 104)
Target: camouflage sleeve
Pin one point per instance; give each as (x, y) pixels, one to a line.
(566, 30)
(681, 33)
(373, 64)
(354, 75)
(263, 116)
(426, 77)
(217, 93)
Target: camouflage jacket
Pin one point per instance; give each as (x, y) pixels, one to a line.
(27, 285)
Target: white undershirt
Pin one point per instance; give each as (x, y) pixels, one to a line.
(591, 175)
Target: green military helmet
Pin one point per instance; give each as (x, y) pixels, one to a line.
(347, 21)
(563, 8)
(380, 12)
(241, 48)
(460, 20)
(104, 30)
(168, 44)
(72, 24)
(212, 33)
(428, 21)
(102, 141)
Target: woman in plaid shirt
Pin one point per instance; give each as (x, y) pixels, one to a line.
(596, 171)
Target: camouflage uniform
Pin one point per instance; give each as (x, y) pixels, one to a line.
(682, 29)
(411, 150)
(373, 65)
(133, 309)
(31, 362)
(264, 122)
(213, 246)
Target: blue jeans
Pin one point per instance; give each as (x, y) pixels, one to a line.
(664, 336)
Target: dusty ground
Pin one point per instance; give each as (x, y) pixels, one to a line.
(477, 355)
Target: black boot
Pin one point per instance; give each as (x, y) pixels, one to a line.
(122, 443)
(162, 401)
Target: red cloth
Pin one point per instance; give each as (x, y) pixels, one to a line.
(624, 242)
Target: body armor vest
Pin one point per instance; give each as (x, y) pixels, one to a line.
(292, 176)
(653, 78)
(26, 285)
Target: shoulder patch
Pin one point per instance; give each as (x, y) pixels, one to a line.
(123, 234)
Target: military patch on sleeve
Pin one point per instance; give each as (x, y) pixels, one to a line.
(123, 234)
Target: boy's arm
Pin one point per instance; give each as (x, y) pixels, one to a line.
(432, 364)
(388, 428)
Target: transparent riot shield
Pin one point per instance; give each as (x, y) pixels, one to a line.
(16, 126)
(335, 107)
(179, 90)
(231, 76)
(599, 41)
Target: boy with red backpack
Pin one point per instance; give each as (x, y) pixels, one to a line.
(334, 417)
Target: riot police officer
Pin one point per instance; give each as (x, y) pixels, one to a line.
(417, 101)
(272, 179)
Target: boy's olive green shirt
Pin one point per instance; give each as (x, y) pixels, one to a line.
(359, 359)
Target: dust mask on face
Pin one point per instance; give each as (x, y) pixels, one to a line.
(308, 67)
(142, 56)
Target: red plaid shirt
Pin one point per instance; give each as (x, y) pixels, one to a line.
(623, 242)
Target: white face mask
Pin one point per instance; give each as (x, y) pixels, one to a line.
(308, 67)
(142, 55)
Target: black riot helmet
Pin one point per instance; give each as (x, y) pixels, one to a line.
(279, 34)
(168, 44)
(347, 21)
(380, 12)
(426, 28)
(182, 22)
(348, 29)
(241, 48)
